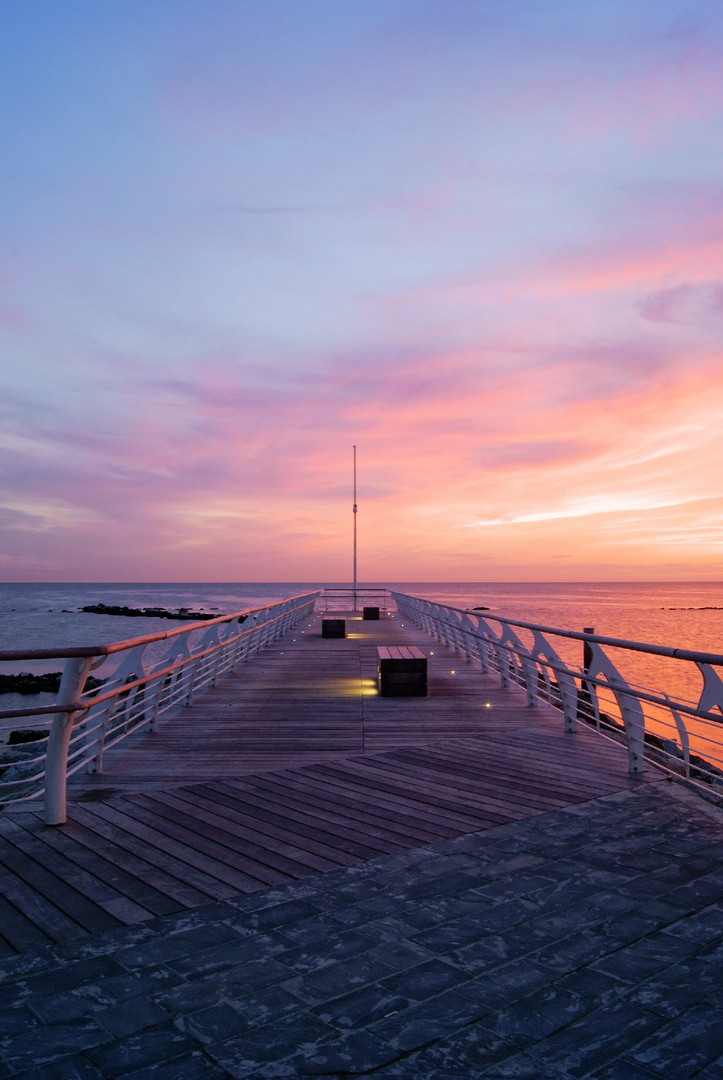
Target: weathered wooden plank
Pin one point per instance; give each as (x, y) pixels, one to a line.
(196, 836)
(139, 860)
(352, 795)
(57, 909)
(202, 872)
(348, 830)
(345, 783)
(507, 778)
(449, 790)
(255, 810)
(21, 932)
(100, 860)
(297, 826)
(334, 802)
(253, 837)
(364, 778)
(49, 850)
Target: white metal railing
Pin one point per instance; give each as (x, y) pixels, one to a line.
(153, 674)
(683, 735)
(345, 598)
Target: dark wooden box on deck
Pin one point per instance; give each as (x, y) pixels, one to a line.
(333, 628)
(371, 613)
(401, 671)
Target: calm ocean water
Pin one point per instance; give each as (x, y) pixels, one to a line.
(682, 615)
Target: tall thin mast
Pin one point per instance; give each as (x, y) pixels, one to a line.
(355, 513)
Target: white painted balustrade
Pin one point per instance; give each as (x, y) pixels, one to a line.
(142, 679)
(683, 735)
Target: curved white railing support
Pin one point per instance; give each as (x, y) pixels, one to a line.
(634, 721)
(653, 726)
(132, 665)
(72, 683)
(512, 654)
(682, 735)
(712, 693)
(568, 691)
(95, 743)
(484, 637)
(549, 660)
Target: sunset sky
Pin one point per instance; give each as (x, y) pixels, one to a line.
(481, 240)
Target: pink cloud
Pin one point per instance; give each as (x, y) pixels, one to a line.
(684, 303)
(221, 466)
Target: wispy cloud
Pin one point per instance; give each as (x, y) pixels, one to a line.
(684, 303)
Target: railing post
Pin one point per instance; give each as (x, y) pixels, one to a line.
(504, 667)
(584, 697)
(193, 667)
(72, 682)
(634, 721)
(529, 667)
(95, 763)
(568, 700)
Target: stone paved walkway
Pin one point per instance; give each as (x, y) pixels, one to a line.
(586, 942)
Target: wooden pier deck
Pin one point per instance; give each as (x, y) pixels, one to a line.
(293, 766)
(296, 877)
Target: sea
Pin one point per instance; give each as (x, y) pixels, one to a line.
(675, 614)
(679, 614)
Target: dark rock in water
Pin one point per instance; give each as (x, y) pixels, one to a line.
(25, 683)
(708, 608)
(146, 613)
(15, 738)
(481, 607)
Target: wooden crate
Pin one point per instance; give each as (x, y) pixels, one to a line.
(371, 613)
(333, 628)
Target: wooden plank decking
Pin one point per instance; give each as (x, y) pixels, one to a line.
(293, 766)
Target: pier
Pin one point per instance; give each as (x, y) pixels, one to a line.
(296, 876)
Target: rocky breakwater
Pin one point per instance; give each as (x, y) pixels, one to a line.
(184, 614)
(22, 764)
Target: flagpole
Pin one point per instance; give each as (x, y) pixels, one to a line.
(355, 515)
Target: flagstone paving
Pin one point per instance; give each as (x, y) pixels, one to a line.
(582, 942)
